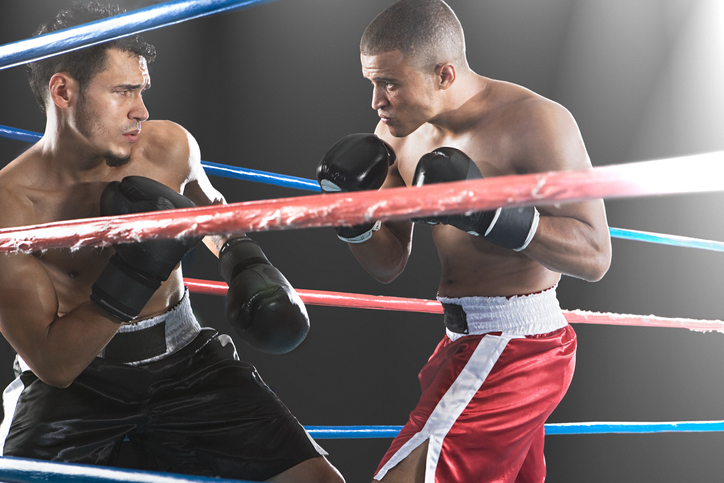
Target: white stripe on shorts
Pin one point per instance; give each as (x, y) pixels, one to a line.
(452, 404)
(10, 402)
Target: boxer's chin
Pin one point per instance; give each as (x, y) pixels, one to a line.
(116, 161)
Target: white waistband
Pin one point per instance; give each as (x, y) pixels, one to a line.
(533, 314)
(181, 328)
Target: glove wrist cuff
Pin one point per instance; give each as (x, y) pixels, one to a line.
(122, 291)
(237, 254)
(363, 237)
(531, 232)
(513, 228)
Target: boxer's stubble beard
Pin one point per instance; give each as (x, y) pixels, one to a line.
(89, 128)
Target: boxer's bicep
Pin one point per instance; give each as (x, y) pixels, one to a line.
(28, 301)
(200, 190)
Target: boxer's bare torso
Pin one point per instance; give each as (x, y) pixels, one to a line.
(34, 193)
(45, 310)
(505, 129)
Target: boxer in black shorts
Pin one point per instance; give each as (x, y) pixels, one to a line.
(224, 401)
(107, 344)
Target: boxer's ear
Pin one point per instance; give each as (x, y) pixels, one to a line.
(63, 90)
(445, 75)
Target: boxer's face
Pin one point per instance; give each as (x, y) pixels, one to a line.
(110, 110)
(402, 95)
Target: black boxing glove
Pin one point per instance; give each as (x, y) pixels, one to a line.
(506, 227)
(357, 162)
(261, 304)
(136, 270)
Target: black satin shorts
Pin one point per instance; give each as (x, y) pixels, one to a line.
(199, 411)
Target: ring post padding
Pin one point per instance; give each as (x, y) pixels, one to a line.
(129, 23)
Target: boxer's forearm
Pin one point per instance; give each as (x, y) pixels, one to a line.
(385, 255)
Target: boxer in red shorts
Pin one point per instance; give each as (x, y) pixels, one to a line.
(488, 393)
(508, 355)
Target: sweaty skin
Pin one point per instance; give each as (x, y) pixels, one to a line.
(506, 129)
(45, 312)
(89, 141)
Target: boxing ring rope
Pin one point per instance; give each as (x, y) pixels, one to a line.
(354, 208)
(17, 134)
(647, 178)
(344, 208)
(24, 470)
(551, 429)
(382, 302)
(111, 28)
(246, 174)
(215, 169)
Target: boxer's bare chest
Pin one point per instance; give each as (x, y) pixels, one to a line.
(487, 149)
(71, 270)
(464, 258)
(77, 200)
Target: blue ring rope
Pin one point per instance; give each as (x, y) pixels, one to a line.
(19, 134)
(177, 11)
(673, 240)
(366, 432)
(311, 185)
(25, 470)
(129, 23)
(254, 175)
(210, 168)
(635, 427)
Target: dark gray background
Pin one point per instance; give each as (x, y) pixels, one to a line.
(273, 86)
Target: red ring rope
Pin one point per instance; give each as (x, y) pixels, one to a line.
(677, 175)
(361, 301)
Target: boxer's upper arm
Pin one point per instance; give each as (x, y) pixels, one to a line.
(199, 189)
(573, 238)
(551, 141)
(548, 140)
(28, 301)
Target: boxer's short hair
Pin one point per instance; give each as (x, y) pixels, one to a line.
(426, 30)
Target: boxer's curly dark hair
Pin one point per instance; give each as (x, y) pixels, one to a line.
(83, 64)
